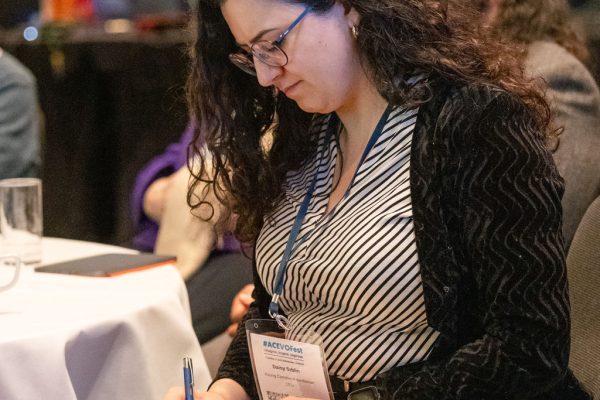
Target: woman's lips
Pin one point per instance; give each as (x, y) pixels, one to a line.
(290, 89)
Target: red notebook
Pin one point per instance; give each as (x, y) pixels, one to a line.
(111, 264)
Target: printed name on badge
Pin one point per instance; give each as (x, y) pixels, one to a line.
(285, 367)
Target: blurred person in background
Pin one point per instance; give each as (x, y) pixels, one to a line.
(19, 120)
(151, 189)
(552, 50)
(211, 263)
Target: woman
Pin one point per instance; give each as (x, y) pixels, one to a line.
(429, 259)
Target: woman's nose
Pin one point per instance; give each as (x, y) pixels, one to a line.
(266, 74)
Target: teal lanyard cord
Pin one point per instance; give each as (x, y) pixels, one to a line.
(280, 278)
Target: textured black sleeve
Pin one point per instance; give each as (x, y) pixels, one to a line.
(236, 364)
(507, 195)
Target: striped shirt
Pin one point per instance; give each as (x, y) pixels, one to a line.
(354, 275)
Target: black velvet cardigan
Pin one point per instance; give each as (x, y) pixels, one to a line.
(487, 216)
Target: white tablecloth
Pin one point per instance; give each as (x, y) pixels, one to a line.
(67, 337)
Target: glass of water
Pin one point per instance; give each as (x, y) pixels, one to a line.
(21, 219)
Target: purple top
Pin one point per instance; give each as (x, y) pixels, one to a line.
(165, 164)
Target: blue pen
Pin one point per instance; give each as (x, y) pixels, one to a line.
(188, 378)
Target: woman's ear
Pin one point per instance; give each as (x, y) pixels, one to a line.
(352, 16)
(347, 6)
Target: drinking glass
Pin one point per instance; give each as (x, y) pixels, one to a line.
(21, 219)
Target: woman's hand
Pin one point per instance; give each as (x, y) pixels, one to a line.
(178, 393)
(223, 389)
(239, 307)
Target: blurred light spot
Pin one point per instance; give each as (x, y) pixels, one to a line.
(30, 33)
(118, 26)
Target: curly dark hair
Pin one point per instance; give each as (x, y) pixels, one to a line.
(396, 38)
(527, 21)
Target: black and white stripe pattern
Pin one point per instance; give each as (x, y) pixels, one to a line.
(354, 275)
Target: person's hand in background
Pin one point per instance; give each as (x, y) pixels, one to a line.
(239, 307)
(155, 198)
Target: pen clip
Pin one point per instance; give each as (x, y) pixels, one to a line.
(187, 363)
(192, 373)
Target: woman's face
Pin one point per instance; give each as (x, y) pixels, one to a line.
(323, 62)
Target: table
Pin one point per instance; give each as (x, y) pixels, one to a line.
(68, 337)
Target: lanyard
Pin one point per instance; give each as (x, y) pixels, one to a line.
(280, 278)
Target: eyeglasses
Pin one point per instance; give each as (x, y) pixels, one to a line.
(269, 53)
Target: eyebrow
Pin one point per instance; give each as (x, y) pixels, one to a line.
(257, 37)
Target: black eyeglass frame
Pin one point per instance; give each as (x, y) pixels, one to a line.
(244, 60)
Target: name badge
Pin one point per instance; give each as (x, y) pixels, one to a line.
(285, 367)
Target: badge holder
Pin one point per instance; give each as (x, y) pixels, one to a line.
(287, 360)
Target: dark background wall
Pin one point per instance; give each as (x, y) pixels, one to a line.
(114, 104)
(13, 12)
